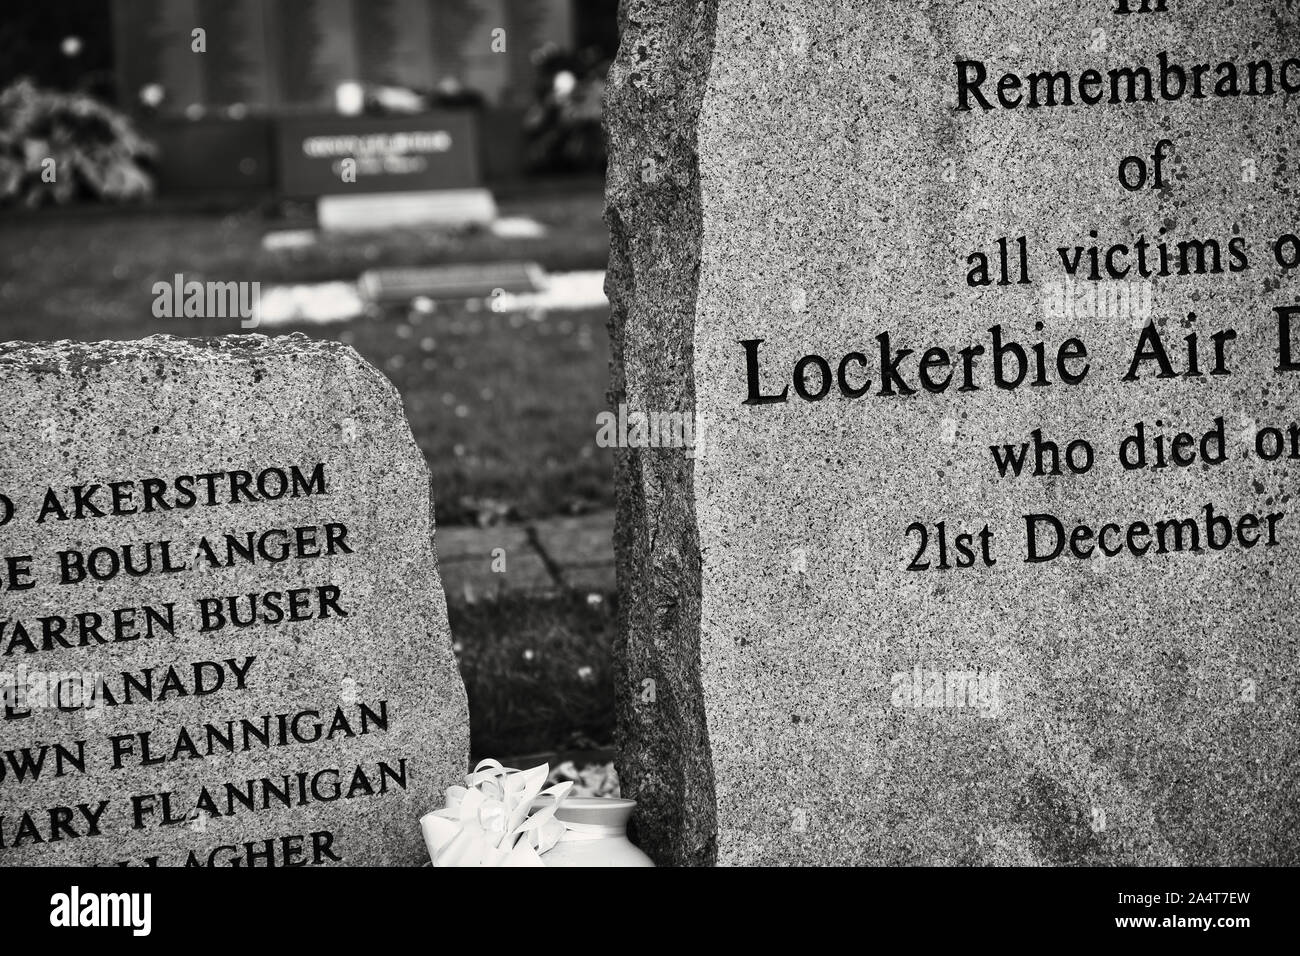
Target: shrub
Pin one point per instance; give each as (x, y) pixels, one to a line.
(59, 147)
(563, 125)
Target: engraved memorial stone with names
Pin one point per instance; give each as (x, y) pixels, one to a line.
(223, 641)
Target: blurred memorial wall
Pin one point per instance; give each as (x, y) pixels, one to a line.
(286, 56)
(216, 113)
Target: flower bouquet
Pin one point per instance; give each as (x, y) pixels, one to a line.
(501, 817)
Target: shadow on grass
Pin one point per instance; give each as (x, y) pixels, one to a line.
(538, 672)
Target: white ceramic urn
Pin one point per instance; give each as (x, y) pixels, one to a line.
(595, 834)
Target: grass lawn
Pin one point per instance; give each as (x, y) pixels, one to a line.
(503, 406)
(88, 273)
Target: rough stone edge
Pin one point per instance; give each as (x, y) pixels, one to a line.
(653, 210)
(66, 357)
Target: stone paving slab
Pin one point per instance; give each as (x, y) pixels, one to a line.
(597, 578)
(459, 544)
(539, 558)
(581, 540)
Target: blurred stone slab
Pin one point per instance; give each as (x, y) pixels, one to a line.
(455, 543)
(582, 539)
(545, 557)
(518, 227)
(371, 212)
(225, 554)
(460, 281)
(590, 578)
(582, 550)
(318, 303)
(836, 683)
(281, 240)
(486, 563)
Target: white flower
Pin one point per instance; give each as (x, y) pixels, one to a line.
(492, 822)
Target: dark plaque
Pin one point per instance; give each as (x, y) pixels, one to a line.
(334, 155)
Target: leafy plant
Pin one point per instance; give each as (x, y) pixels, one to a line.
(563, 125)
(58, 147)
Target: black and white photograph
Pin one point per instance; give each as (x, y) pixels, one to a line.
(671, 435)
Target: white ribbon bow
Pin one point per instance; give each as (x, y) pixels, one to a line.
(490, 821)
